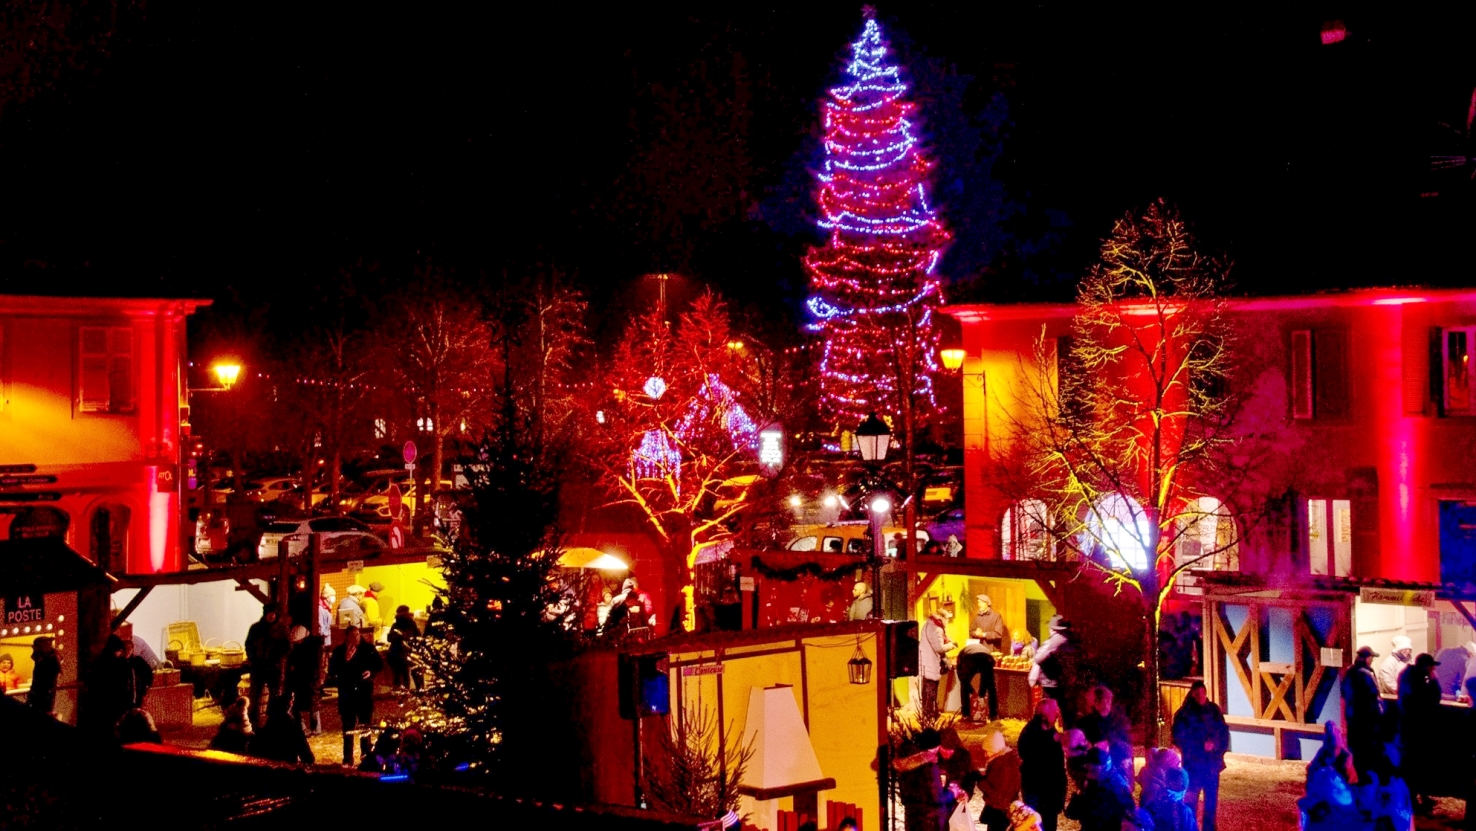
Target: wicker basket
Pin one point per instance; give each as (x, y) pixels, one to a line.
(212, 650)
(173, 651)
(232, 654)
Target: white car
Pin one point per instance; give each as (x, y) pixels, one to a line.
(338, 533)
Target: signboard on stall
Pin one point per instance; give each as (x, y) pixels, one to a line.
(702, 669)
(24, 608)
(1397, 597)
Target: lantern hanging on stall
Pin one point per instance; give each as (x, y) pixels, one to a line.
(859, 666)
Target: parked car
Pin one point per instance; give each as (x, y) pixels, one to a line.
(270, 489)
(375, 506)
(338, 533)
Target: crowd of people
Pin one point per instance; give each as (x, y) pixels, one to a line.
(289, 669)
(1074, 757)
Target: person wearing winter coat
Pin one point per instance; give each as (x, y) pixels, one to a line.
(1419, 723)
(45, 672)
(1363, 712)
(281, 739)
(234, 734)
(999, 781)
(1159, 761)
(1105, 799)
(300, 684)
(1167, 807)
(1334, 754)
(353, 666)
(1102, 724)
(1203, 738)
(1043, 764)
(402, 636)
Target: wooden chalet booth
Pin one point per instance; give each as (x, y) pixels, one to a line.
(49, 589)
(1274, 654)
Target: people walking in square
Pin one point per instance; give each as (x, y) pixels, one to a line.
(1203, 738)
(353, 666)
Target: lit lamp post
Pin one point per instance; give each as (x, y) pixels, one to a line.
(873, 439)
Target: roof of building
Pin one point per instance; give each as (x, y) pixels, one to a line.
(46, 565)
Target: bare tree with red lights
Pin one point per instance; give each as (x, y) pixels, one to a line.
(672, 425)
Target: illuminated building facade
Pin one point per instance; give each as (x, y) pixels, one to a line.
(93, 408)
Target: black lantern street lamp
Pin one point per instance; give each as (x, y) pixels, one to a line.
(873, 439)
(859, 666)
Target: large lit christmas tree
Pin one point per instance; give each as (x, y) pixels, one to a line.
(873, 283)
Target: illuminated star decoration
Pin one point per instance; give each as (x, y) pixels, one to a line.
(659, 454)
(876, 272)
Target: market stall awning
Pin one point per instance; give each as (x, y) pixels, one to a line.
(591, 558)
(46, 565)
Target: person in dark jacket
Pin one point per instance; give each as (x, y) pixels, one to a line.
(1203, 738)
(925, 803)
(402, 636)
(45, 672)
(300, 682)
(1105, 799)
(1363, 711)
(1167, 806)
(1043, 764)
(999, 781)
(117, 683)
(955, 761)
(1102, 724)
(281, 739)
(267, 645)
(353, 666)
(1419, 720)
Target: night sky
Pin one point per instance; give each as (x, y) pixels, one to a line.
(188, 149)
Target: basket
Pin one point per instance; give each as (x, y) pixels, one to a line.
(212, 653)
(184, 631)
(173, 650)
(232, 654)
(196, 658)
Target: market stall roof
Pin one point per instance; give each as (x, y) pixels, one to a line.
(1252, 582)
(47, 565)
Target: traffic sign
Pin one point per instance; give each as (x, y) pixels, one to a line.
(396, 501)
(409, 452)
(396, 536)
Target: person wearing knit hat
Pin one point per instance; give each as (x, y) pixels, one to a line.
(9, 678)
(303, 676)
(1401, 652)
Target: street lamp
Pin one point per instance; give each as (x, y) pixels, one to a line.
(873, 439)
(952, 359)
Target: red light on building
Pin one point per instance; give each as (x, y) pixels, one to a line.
(1334, 31)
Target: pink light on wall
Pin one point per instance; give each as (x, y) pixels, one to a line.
(1334, 31)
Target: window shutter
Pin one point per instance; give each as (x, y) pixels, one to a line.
(120, 370)
(1329, 374)
(1436, 362)
(1301, 374)
(93, 392)
(1415, 353)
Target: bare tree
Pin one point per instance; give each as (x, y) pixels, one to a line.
(439, 355)
(1129, 436)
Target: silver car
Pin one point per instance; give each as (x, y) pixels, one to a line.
(338, 533)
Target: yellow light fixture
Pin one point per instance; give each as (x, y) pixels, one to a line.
(952, 359)
(227, 373)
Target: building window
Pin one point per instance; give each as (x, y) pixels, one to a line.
(1455, 363)
(109, 537)
(1207, 539)
(1330, 537)
(1458, 543)
(105, 379)
(1319, 374)
(1025, 532)
(1119, 533)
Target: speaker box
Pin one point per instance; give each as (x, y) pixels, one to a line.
(901, 648)
(643, 687)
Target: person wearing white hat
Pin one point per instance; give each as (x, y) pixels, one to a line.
(1401, 652)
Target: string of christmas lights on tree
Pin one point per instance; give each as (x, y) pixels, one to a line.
(873, 284)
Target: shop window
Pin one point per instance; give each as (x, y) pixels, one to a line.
(1207, 538)
(1455, 363)
(1330, 537)
(1319, 374)
(105, 378)
(1025, 532)
(109, 537)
